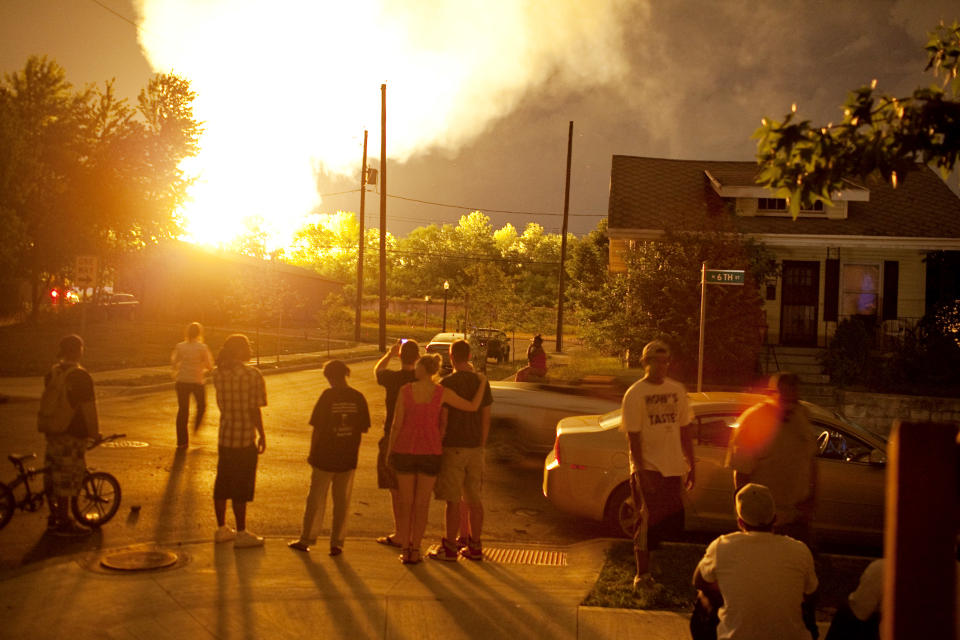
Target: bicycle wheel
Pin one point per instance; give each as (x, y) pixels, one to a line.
(98, 501)
(7, 504)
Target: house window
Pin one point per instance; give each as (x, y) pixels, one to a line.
(861, 287)
(780, 204)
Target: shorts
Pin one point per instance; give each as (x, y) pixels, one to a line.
(67, 467)
(236, 474)
(428, 465)
(661, 512)
(386, 477)
(461, 475)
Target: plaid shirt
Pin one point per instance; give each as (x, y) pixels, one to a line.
(240, 391)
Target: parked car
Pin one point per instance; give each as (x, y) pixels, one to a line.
(587, 471)
(440, 345)
(495, 341)
(524, 415)
(120, 305)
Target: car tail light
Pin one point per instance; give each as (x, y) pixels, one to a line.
(556, 448)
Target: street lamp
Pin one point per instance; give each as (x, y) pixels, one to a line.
(426, 306)
(446, 287)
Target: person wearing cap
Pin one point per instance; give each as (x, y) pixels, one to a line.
(774, 445)
(339, 418)
(761, 585)
(656, 418)
(392, 380)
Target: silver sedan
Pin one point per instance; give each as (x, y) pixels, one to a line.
(587, 471)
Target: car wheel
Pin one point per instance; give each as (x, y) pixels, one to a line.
(619, 515)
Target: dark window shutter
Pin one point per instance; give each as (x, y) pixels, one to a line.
(891, 282)
(831, 290)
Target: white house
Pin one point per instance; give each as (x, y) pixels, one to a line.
(881, 252)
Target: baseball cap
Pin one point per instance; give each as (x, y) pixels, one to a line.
(755, 505)
(654, 347)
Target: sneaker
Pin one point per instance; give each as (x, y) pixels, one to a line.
(473, 550)
(246, 539)
(444, 551)
(299, 545)
(224, 534)
(335, 551)
(642, 582)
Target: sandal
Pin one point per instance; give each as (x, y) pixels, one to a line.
(389, 541)
(413, 556)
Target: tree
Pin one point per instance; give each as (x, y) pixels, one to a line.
(659, 297)
(84, 172)
(329, 246)
(333, 318)
(805, 163)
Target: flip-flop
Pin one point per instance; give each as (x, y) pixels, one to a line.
(389, 541)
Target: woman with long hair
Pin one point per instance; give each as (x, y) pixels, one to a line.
(191, 360)
(416, 448)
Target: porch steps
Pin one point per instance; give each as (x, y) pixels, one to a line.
(805, 362)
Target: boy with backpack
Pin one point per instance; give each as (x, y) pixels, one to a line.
(67, 417)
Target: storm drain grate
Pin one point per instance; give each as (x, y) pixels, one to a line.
(537, 557)
(125, 444)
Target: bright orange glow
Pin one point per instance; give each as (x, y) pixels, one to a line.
(285, 88)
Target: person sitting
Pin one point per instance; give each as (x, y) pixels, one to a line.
(754, 583)
(537, 359)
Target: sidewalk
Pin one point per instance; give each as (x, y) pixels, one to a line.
(216, 591)
(148, 379)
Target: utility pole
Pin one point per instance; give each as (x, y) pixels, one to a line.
(563, 243)
(360, 243)
(383, 218)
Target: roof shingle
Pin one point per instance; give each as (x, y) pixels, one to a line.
(656, 193)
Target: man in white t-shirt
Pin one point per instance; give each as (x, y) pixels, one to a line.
(656, 417)
(763, 579)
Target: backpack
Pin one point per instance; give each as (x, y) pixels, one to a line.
(56, 413)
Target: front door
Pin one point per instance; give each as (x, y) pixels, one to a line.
(800, 300)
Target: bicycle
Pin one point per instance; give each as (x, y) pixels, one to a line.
(97, 502)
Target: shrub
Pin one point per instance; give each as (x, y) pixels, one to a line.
(847, 359)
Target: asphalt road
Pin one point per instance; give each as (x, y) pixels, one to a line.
(174, 489)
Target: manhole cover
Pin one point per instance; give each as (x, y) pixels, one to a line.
(537, 557)
(139, 559)
(125, 444)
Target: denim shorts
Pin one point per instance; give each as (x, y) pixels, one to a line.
(415, 463)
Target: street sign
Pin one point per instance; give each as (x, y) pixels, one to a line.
(85, 272)
(724, 276)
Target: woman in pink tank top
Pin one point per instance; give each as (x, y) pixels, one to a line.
(415, 449)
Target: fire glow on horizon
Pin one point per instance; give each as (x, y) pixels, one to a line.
(285, 88)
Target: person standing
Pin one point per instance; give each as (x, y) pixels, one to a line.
(656, 418)
(241, 392)
(460, 482)
(762, 584)
(415, 448)
(774, 445)
(339, 418)
(191, 360)
(392, 380)
(67, 417)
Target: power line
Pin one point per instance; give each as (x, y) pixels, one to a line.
(470, 208)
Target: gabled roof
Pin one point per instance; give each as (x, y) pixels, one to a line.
(650, 194)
